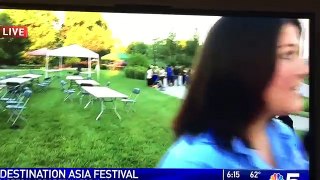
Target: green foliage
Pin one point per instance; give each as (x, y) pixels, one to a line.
(306, 104)
(173, 52)
(306, 80)
(87, 29)
(41, 31)
(73, 60)
(11, 48)
(103, 67)
(137, 48)
(184, 60)
(29, 66)
(138, 60)
(161, 64)
(135, 72)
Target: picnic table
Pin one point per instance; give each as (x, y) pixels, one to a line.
(18, 80)
(104, 94)
(32, 76)
(74, 77)
(84, 81)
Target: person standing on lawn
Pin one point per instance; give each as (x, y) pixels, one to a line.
(149, 77)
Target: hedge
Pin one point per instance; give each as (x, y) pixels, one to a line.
(135, 72)
(306, 104)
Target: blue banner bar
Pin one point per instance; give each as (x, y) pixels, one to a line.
(146, 174)
(266, 174)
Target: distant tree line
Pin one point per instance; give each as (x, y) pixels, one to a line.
(168, 51)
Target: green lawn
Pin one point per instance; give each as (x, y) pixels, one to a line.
(63, 134)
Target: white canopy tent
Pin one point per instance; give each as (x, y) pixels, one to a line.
(75, 51)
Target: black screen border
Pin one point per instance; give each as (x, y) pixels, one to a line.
(150, 9)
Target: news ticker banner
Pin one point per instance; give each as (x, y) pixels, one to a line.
(13, 31)
(153, 174)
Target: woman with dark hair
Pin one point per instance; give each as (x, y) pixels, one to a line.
(248, 72)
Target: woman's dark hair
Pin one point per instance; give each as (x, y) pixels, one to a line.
(236, 64)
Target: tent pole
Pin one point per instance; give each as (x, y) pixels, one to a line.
(98, 68)
(89, 67)
(47, 66)
(60, 66)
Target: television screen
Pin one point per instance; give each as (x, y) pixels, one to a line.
(119, 90)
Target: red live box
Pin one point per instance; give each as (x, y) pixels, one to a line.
(13, 32)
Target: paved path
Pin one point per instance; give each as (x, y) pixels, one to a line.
(304, 90)
(299, 123)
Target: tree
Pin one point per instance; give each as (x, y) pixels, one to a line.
(41, 31)
(11, 49)
(192, 46)
(137, 48)
(87, 29)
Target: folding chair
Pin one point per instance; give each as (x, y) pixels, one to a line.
(45, 83)
(131, 100)
(83, 92)
(64, 88)
(13, 90)
(17, 109)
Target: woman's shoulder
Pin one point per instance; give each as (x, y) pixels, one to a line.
(193, 152)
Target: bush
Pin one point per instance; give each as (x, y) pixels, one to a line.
(306, 104)
(306, 80)
(29, 66)
(73, 60)
(135, 72)
(103, 67)
(138, 60)
(161, 64)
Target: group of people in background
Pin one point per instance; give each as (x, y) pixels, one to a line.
(157, 75)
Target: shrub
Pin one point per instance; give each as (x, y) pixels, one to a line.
(73, 60)
(306, 80)
(29, 66)
(103, 67)
(138, 60)
(135, 72)
(161, 64)
(306, 104)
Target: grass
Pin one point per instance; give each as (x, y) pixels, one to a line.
(63, 134)
(303, 114)
(300, 134)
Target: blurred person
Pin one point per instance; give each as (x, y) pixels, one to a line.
(184, 76)
(169, 75)
(149, 76)
(155, 74)
(162, 74)
(176, 75)
(248, 72)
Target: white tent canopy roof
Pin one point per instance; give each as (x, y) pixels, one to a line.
(73, 51)
(39, 52)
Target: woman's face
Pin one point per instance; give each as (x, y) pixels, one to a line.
(282, 95)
